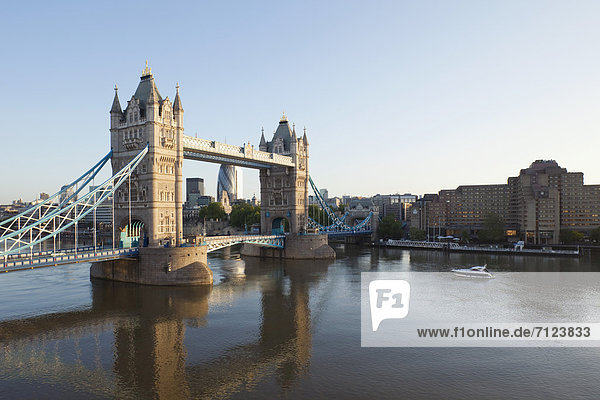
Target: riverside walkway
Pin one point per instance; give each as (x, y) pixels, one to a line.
(455, 247)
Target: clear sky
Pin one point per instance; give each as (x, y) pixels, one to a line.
(398, 96)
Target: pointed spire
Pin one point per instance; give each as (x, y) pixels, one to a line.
(283, 118)
(294, 137)
(263, 143)
(304, 138)
(262, 137)
(152, 95)
(116, 105)
(177, 107)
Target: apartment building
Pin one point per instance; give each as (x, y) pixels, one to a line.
(535, 205)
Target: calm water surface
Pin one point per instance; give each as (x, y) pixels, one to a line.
(268, 328)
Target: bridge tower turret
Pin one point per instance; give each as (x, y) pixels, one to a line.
(116, 113)
(284, 190)
(155, 198)
(178, 131)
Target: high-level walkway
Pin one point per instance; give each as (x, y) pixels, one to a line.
(223, 153)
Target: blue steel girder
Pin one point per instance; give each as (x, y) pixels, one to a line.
(218, 242)
(354, 233)
(54, 202)
(323, 203)
(61, 219)
(362, 227)
(338, 225)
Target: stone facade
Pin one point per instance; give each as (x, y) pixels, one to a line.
(176, 266)
(535, 205)
(156, 194)
(284, 190)
(299, 247)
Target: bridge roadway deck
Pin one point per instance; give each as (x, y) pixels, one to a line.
(89, 254)
(61, 257)
(347, 233)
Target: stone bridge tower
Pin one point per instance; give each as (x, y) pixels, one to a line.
(156, 185)
(284, 190)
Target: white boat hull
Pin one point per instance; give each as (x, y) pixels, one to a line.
(472, 274)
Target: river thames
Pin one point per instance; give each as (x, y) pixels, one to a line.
(266, 329)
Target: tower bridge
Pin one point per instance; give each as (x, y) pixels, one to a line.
(154, 196)
(148, 146)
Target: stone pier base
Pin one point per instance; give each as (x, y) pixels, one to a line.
(176, 266)
(300, 247)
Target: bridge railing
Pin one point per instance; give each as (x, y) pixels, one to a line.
(245, 153)
(75, 257)
(48, 252)
(218, 242)
(418, 243)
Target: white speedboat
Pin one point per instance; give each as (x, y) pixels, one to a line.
(473, 272)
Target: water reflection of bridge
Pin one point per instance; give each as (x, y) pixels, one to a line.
(148, 356)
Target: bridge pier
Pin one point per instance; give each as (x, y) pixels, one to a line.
(170, 266)
(299, 247)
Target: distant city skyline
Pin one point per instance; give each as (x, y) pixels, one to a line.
(401, 97)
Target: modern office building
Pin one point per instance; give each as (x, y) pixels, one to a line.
(394, 205)
(194, 186)
(194, 191)
(67, 194)
(104, 211)
(229, 180)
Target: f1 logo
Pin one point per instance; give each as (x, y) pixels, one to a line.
(389, 299)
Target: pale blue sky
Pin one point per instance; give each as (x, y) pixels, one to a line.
(398, 96)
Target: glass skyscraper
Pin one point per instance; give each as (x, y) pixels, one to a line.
(229, 180)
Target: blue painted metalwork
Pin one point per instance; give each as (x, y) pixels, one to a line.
(66, 257)
(218, 242)
(62, 218)
(338, 226)
(131, 234)
(54, 202)
(16, 262)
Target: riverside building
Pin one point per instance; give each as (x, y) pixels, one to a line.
(535, 205)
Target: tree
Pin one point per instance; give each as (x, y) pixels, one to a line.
(342, 208)
(493, 229)
(465, 236)
(417, 234)
(243, 215)
(595, 234)
(212, 211)
(389, 228)
(571, 236)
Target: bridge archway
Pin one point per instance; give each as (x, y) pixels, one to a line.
(280, 225)
(133, 234)
(354, 221)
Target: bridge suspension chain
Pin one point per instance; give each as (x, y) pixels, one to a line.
(53, 203)
(338, 224)
(69, 213)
